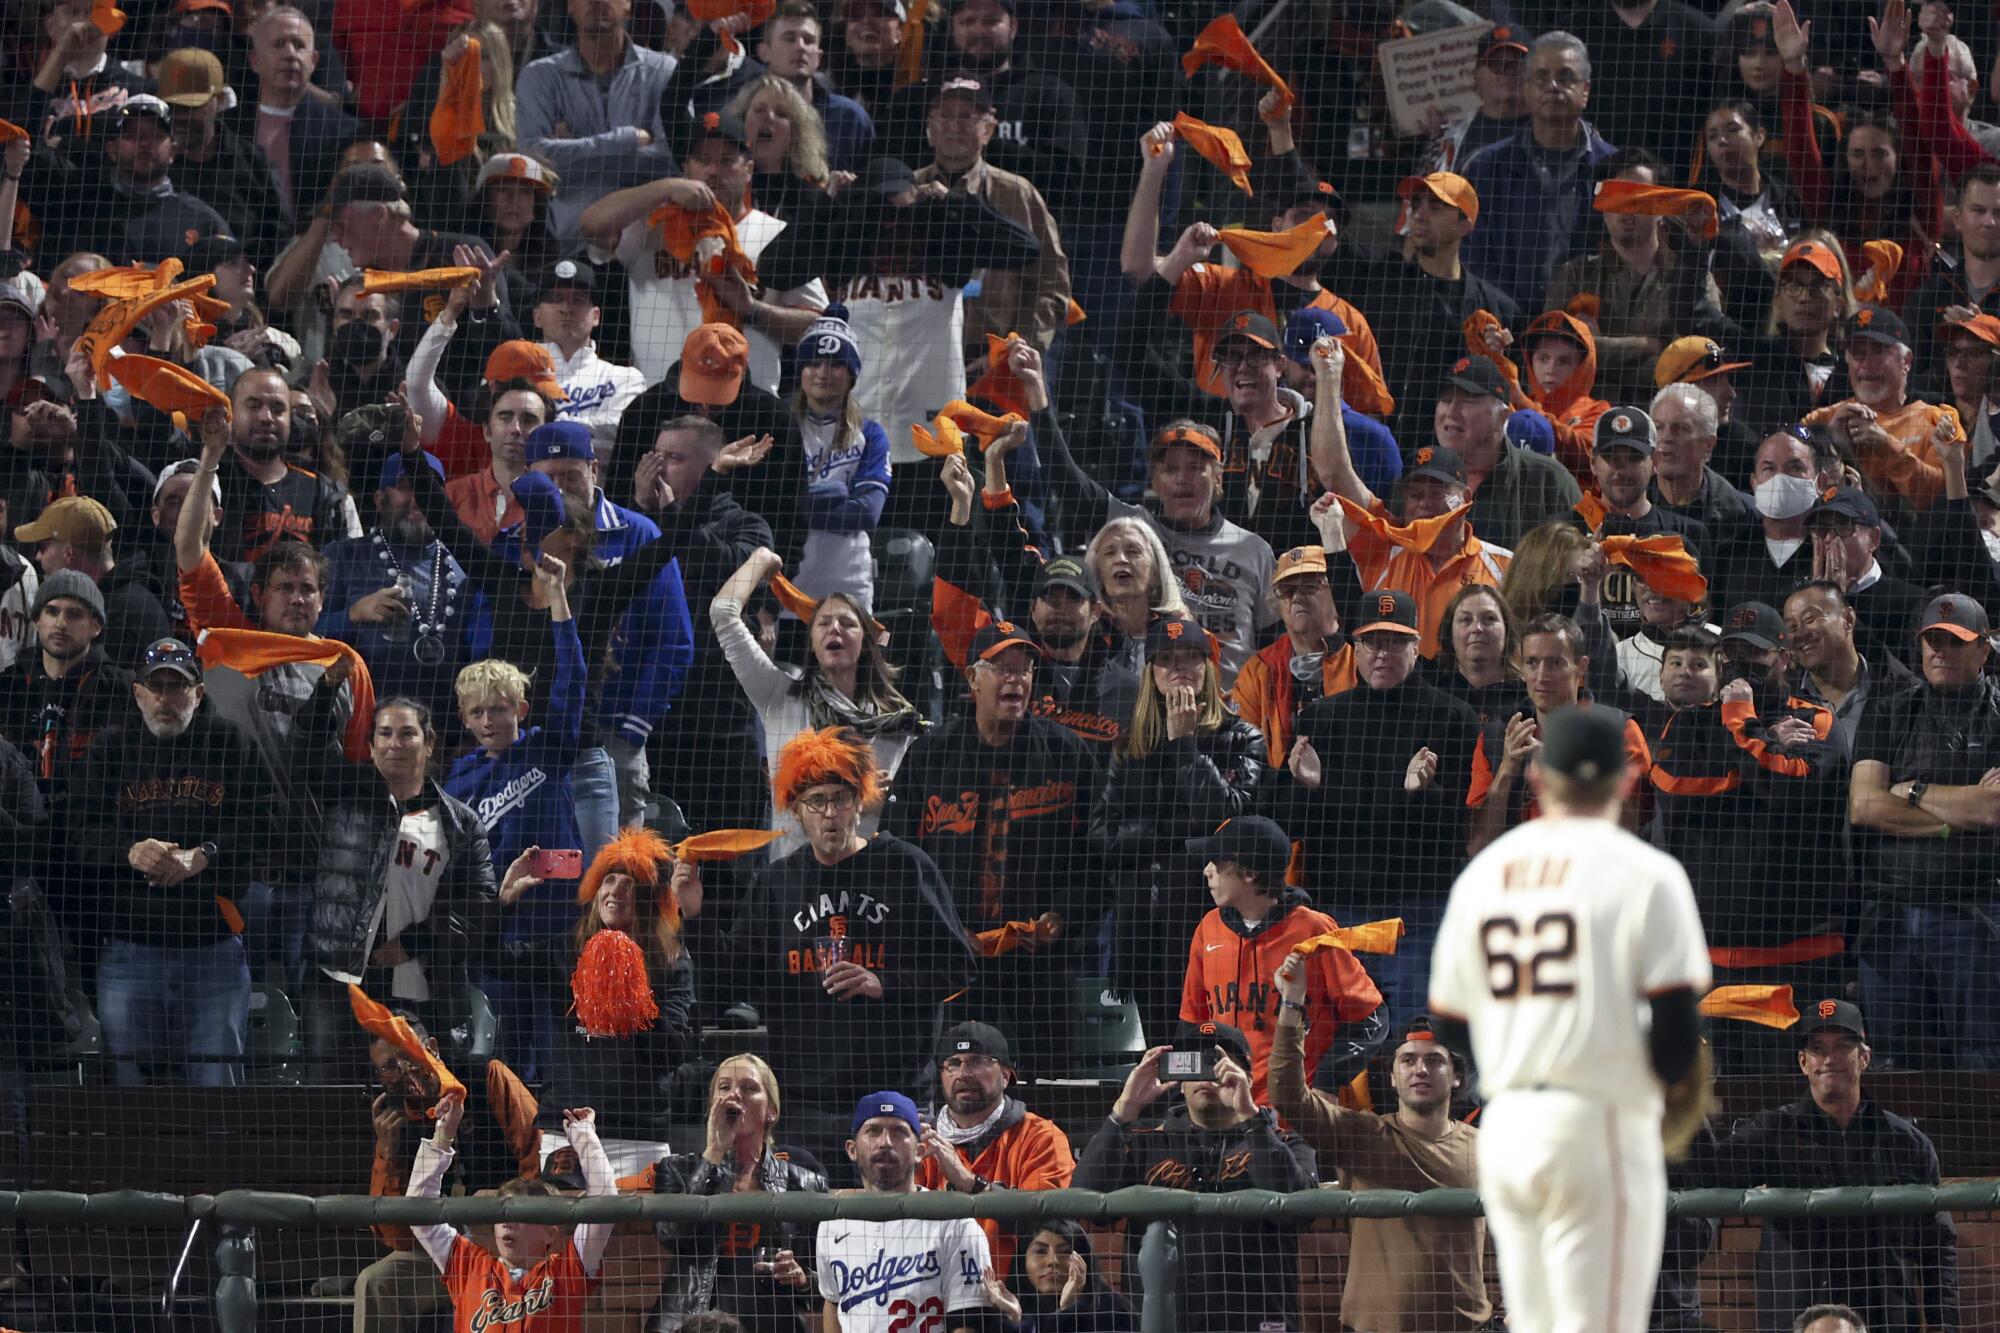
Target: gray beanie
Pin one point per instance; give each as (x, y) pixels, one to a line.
(68, 583)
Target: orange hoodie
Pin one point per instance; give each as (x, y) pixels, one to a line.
(1568, 405)
(1230, 980)
(1029, 1152)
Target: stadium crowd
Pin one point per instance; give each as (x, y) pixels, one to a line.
(899, 525)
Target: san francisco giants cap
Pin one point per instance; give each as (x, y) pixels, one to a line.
(1208, 1036)
(1839, 1015)
(1960, 616)
(1587, 744)
(1392, 611)
(1251, 841)
(1169, 632)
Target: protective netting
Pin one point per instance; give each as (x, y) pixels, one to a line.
(735, 564)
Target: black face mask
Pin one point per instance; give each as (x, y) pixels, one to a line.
(355, 345)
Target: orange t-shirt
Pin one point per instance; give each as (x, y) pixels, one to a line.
(1208, 294)
(487, 1298)
(1912, 472)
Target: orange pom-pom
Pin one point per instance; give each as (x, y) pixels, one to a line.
(614, 997)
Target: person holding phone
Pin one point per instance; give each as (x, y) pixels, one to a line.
(1233, 1275)
(760, 1274)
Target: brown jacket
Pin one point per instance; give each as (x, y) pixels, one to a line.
(1034, 301)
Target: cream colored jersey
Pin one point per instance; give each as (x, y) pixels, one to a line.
(1554, 939)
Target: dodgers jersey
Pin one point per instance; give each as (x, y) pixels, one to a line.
(907, 1274)
(1554, 939)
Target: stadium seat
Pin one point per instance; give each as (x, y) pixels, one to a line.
(474, 1035)
(1111, 1040)
(904, 562)
(274, 1044)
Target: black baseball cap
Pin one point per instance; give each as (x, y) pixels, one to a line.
(1066, 571)
(1586, 744)
(1755, 623)
(1501, 37)
(211, 251)
(1960, 616)
(1168, 632)
(1879, 324)
(365, 183)
(1251, 841)
(1390, 611)
(1848, 502)
(1436, 460)
(886, 176)
(997, 636)
(1249, 324)
(576, 274)
(1476, 374)
(1840, 1015)
(1308, 193)
(1204, 1036)
(722, 125)
(171, 655)
(967, 88)
(974, 1039)
(1624, 428)
(144, 106)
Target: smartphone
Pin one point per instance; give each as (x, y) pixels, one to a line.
(1189, 1065)
(557, 864)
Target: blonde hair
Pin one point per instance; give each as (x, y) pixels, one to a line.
(491, 679)
(1149, 713)
(1541, 565)
(764, 1076)
(1163, 590)
(807, 157)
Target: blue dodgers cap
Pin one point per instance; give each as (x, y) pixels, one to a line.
(1307, 326)
(392, 469)
(878, 1104)
(1531, 430)
(560, 439)
(541, 507)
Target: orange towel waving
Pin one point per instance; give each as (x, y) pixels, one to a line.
(1592, 511)
(1075, 315)
(1659, 201)
(9, 131)
(250, 652)
(797, 602)
(723, 844)
(1024, 935)
(1221, 147)
(128, 282)
(1662, 563)
(910, 51)
(1273, 254)
(1767, 1006)
(754, 13)
(107, 17)
(459, 117)
(112, 323)
(682, 232)
(1223, 43)
(174, 390)
(941, 441)
(982, 426)
(393, 1028)
(1885, 260)
(1368, 937)
(375, 280)
(1000, 385)
(1476, 326)
(1418, 535)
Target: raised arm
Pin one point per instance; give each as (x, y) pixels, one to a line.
(598, 1183)
(762, 680)
(605, 221)
(1331, 461)
(1139, 253)
(434, 1157)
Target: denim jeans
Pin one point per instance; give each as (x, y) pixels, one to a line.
(185, 1006)
(593, 782)
(1929, 973)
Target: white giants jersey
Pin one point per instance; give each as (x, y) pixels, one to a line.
(908, 1274)
(1555, 937)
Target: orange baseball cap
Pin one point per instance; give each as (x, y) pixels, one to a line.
(1986, 328)
(1692, 359)
(1193, 439)
(1815, 254)
(1447, 187)
(1299, 560)
(519, 359)
(714, 360)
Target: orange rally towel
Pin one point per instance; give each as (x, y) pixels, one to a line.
(1028, 935)
(395, 1029)
(910, 51)
(251, 652)
(1662, 563)
(1418, 535)
(723, 844)
(1273, 254)
(1475, 327)
(1075, 315)
(112, 323)
(9, 131)
(793, 599)
(1659, 201)
(1223, 43)
(682, 230)
(1368, 937)
(1586, 306)
(981, 425)
(1885, 260)
(107, 17)
(947, 439)
(375, 280)
(132, 280)
(1592, 511)
(170, 388)
(999, 385)
(1221, 147)
(459, 117)
(714, 11)
(1767, 1006)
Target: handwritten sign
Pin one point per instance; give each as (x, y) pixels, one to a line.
(1431, 71)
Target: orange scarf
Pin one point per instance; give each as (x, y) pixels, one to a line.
(1661, 562)
(1223, 43)
(683, 230)
(1221, 147)
(1000, 385)
(393, 1028)
(459, 117)
(1274, 254)
(1368, 937)
(375, 280)
(1766, 1006)
(1418, 535)
(1659, 201)
(252, 652)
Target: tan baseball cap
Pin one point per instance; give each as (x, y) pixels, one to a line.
(190, 77)
(77, 519)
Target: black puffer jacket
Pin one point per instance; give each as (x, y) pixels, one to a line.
(711, 1265)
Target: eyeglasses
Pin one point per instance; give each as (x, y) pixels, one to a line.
(1798, 286)
(830, 803)
(1565, 79)
(1011, 670)
(1976, 353)
(1244, 356)
(1292, 590)
(160, 686)
(978, 1064)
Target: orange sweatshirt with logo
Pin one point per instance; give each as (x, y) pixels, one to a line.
(1026, 1152)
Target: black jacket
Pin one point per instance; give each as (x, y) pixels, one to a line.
(710, 1266)
(318, 136)
(54, 719)
(82, 208)
(1878, 1265)
(237, 181)
(1419, 324)
(135, 612)
(1947, 738)
(1233, 1274)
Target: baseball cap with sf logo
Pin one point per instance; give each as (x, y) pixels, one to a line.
(1393, 612)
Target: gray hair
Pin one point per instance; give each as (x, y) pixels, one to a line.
(1813, 1314)
(1694, 399)
(1165, 594)
(1569, 44)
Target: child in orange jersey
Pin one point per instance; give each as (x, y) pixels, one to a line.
(540, 1282)
(1256, 923)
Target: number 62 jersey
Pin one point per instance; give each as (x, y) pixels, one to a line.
(905, 1276)
(1555, 938)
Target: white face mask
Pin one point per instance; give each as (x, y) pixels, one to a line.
(1784, 496)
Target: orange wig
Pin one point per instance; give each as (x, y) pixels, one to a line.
(832, 754)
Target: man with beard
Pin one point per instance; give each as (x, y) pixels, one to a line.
(267, 500)
(939, 1269)
(54, 700)
(1403, 1273)
(483, 499)
(128, 208)
(214, 161)
(401, 600)
(173, 812)
(981, 1139)
(1001, 801)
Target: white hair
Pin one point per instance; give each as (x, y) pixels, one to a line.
(1693, 398)
(1165, 594)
